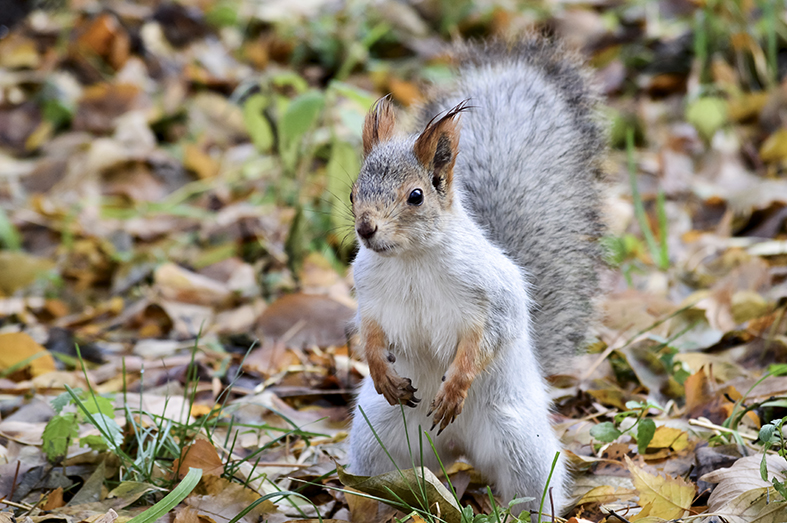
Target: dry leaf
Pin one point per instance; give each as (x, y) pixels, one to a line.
(221, 500)
(668, 497)
(199, 455)
(668, 437)
(16, 347)
(178, 284)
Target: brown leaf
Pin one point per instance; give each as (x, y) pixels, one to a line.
(105, 37)
(54, 500)
(703, 399)
(306, 319)
(221, 500)
(101, 104)
(362, 509)
(199, 455)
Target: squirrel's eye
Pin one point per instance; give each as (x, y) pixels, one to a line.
(416, 197)
(351, 197)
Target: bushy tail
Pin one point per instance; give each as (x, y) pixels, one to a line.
(530, 166)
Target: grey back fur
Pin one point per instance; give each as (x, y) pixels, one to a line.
(529, 167)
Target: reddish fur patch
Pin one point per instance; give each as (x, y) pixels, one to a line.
(387, 382)
(379, 124)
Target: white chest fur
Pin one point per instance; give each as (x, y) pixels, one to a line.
(422, 306)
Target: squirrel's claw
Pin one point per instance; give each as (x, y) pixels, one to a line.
(396, 389)
(446, 406)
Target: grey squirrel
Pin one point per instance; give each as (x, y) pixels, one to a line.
(478, 265)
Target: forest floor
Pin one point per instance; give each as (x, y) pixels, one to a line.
(174, 275)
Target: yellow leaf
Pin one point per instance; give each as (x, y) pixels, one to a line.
(775, 147)
(665, 497)
(605, 494)
(16, 347)
(197, 160)
(668, 437)
(198, 410)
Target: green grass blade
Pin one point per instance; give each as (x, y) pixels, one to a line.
(9, 236)
(172, 499)
(639, 207)
(546, 487)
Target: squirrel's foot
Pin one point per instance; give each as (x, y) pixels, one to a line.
(447, 405)
(394, 388)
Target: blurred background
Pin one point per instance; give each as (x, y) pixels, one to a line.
(176, 175)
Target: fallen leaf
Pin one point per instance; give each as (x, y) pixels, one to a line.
(396, 487)
(759, 505)
(742, 476)
(199, 455)
(221, 500)
(306, 319)
(18, 347)
(668, 437)
(669, 498)
(180, 285)
(19, 269)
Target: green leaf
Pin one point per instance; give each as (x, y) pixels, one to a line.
(9, 236)
(299, 117)
(94, 442)
(768, 434)
(257, 124)
(111, 432)
(171, 500)
(605, 432)
(517, 501)
(290, 79)
(645, 431)
(96, 404)
(62, 400)
(764, 465)
(58, 434)
(222, 14)
(364, 98)
(296, 244)
(707, 115)
(342, 169)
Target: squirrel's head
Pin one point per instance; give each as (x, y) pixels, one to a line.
(405, 187)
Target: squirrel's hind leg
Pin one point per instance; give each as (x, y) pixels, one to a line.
(515, 455)
(367, 457)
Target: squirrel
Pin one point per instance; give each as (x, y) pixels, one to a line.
(478, 266)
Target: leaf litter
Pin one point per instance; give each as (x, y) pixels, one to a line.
(175, 239)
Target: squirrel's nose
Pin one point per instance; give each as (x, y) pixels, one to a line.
(365, 230)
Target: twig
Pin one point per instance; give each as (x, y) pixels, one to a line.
(621, 518)
(708, 425)
(10, 503)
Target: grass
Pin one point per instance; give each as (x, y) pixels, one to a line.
(151, 442)
(658, 251)
(418, 491)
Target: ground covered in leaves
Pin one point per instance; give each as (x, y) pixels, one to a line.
(175, 241)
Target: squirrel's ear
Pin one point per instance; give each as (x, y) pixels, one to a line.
(438, 146)
(379, 124)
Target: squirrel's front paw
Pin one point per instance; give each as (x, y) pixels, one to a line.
(394, 388)
(447, 405)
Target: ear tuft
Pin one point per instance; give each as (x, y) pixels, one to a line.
(437, 146)
(379, 124)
